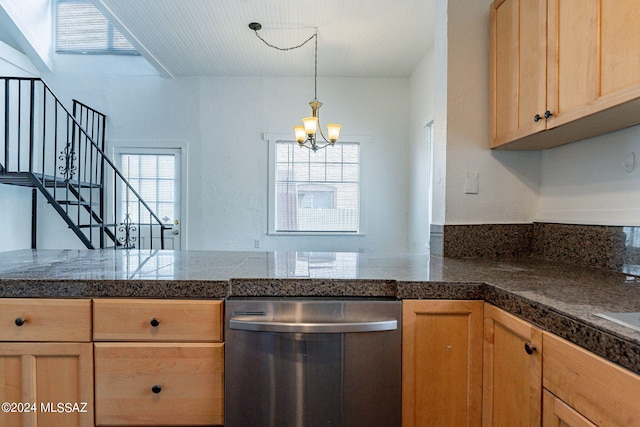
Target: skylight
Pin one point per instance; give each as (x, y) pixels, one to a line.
(82, 29)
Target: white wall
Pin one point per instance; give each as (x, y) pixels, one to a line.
(31, 24)
(586, 182)
(508, 181)
(15, 217)
(421, 86)
(222, 121)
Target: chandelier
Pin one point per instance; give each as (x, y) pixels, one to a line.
(306, 133)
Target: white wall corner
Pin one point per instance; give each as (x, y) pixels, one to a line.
(30, 23)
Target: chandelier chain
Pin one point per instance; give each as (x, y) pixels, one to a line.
(315, 34)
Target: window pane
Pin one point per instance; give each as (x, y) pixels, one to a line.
(82, 28)
(312, 193)
(153, 177)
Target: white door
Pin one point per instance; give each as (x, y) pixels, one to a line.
(155, 174)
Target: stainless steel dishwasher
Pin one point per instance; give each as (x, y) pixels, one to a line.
(306, 363)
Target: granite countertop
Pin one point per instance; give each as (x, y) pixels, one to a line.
(560, 298)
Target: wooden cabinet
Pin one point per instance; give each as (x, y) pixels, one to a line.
(56, 320)
(46, 379)
(512, 374)
(582, 389)
(160, 362)
(559, 414)
(562, 70)
(441, 363)
(518, 69)
(159, 383)
(157, 320)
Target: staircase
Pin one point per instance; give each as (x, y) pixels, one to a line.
(61, 155)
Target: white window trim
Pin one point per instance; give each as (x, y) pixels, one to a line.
(272, 139)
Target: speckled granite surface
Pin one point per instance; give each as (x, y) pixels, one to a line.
(614, 248)
(561, 298)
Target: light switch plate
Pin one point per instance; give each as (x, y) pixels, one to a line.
(471, 183)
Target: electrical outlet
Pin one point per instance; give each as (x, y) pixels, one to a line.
(256, 243)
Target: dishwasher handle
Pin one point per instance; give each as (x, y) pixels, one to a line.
(314, 327)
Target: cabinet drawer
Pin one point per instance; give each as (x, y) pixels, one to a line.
(29, 319)
(174, 320)
(601, 391)
(159, 384)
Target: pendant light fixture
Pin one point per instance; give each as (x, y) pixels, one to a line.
(307, 133)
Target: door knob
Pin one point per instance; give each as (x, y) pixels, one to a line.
(537, 118)
(547, 114)
(175, 232)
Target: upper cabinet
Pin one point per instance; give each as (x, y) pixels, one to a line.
(562, 70)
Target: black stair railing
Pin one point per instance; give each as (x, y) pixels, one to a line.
(63, 156)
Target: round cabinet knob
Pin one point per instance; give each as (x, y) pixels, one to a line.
(19, 321)
(154, 322)
(537, 118)
(156, 389)
(529, 348)
(547, 114)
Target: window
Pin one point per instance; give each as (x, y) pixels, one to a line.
(153, 177)
(316, 191)
(81, 28)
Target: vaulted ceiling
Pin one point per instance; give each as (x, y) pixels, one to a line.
(356, 38)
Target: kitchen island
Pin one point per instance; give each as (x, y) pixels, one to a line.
(560, 298)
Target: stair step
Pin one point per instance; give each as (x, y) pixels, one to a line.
(75, 203)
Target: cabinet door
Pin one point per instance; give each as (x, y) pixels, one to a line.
(620, 51)
(441, 363)
(512, 378)
(572, 59)
(559, 414)
(53, 381)
(518, 69)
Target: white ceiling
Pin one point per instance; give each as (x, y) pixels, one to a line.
(356, 38)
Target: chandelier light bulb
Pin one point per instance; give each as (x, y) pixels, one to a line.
(333, 132)
(301, 135)
(310, 125)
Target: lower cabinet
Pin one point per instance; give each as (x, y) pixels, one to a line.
(512, 376)
(158, 362)
(46, 384)
(582, 389)
(159, 383)
(441, 363)
(46, 363)
(559, 414)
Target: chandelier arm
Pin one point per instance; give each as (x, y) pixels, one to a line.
(321, 133)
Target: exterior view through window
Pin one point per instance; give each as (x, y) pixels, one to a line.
(153, 177)
(317, 191)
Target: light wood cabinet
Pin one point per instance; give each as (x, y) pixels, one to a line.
(559, 414)
(54, 380)
(586, 387)
(512, 374)
(159, 383)
(441, 363)
(158, 362)
(44, 378)
(562, 70)
(58, 320)
(157, 320)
